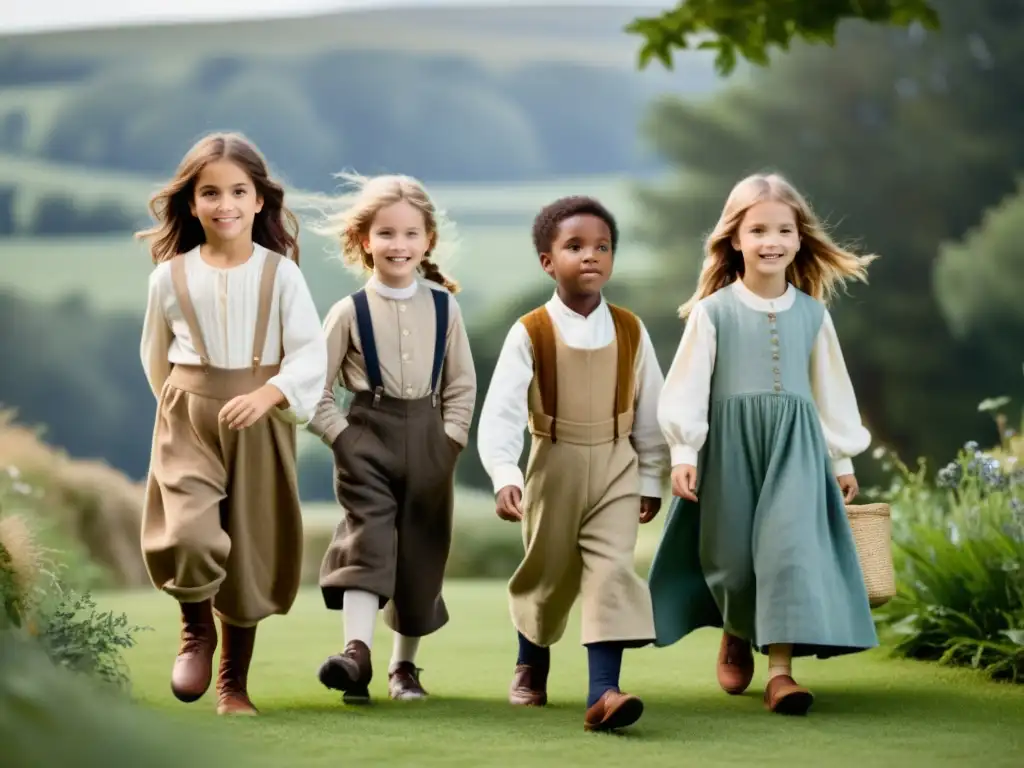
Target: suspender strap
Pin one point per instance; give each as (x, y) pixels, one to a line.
(180, 282)
(440, 336)
(542, 338)
(370, 358)
(627, 339)
(267, 276)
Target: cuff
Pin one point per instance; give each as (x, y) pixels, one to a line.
(651, 486)
(333, 432)
(683, 454)
(457, 433)
(286, 413)
(507, 474)
(842, 467)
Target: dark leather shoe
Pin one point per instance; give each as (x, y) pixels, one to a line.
(612, 711)
(404, 682)
(735, 664)
(349, 672)
(784, 696)
(529, 686)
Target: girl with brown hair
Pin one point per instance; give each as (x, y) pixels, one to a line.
(234, 352)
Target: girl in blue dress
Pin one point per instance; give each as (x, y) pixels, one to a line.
(762, 424)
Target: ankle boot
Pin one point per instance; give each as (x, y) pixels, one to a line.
(193, 668)
(233, 675)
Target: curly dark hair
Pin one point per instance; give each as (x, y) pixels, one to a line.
(545, 225)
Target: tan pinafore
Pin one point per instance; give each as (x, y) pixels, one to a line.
(222, 517)
(581, 505)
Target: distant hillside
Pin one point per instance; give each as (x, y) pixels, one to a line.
(448, 94)
(497, 35)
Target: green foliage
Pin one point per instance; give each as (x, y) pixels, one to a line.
(959, 543)
(937, 107)
(749, 28)
(52, 717)
(80, 638)
(38, 602)
(979, 281)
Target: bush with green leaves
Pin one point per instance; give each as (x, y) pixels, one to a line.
(959, 556)
(52, 717)
(39, 602)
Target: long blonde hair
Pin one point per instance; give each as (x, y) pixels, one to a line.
(177, 231)
(820, 266)
(353, 213)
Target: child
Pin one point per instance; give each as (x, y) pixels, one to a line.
(583, 375)
(401, 347)
(231, 335)
(759, 391)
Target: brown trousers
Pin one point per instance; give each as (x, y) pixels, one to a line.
(581, 501)
(395, 482)
(222, 517)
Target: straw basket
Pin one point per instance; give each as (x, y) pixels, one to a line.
(872, 534)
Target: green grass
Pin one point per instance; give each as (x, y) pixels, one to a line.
(870, 711)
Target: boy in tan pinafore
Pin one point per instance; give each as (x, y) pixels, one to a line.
(583, 375)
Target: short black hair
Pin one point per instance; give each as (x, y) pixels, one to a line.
(546, 223)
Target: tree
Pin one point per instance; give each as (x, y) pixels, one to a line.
(901, 139)
(979, 283)
(748, 28)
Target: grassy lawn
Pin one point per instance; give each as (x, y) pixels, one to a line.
(870, 711)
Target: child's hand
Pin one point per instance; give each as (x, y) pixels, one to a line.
(684, 481)
(649, 506)
(508, 501)
(245, 410)
(849, 486)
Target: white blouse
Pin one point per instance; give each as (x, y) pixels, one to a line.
(505, 412)
(685, 399)
(226, 302)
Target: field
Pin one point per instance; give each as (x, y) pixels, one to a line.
(870, 711)
(493, 255)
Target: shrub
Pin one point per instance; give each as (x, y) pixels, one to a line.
(959, 554)
(52, 717)
(87, 511)
(38, 602)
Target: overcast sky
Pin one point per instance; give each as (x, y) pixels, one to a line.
(51, 15)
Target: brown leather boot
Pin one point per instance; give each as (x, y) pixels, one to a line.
(784, 696)
(349, 672)
(735, 664)
(529, 686)
(193, 668)
(233, 675)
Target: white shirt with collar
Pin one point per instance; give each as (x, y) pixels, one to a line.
(685, 399)
(504, 416)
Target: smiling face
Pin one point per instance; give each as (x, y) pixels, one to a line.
(769, 239)
(397, 240)
(225, 201)
(580, 259)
